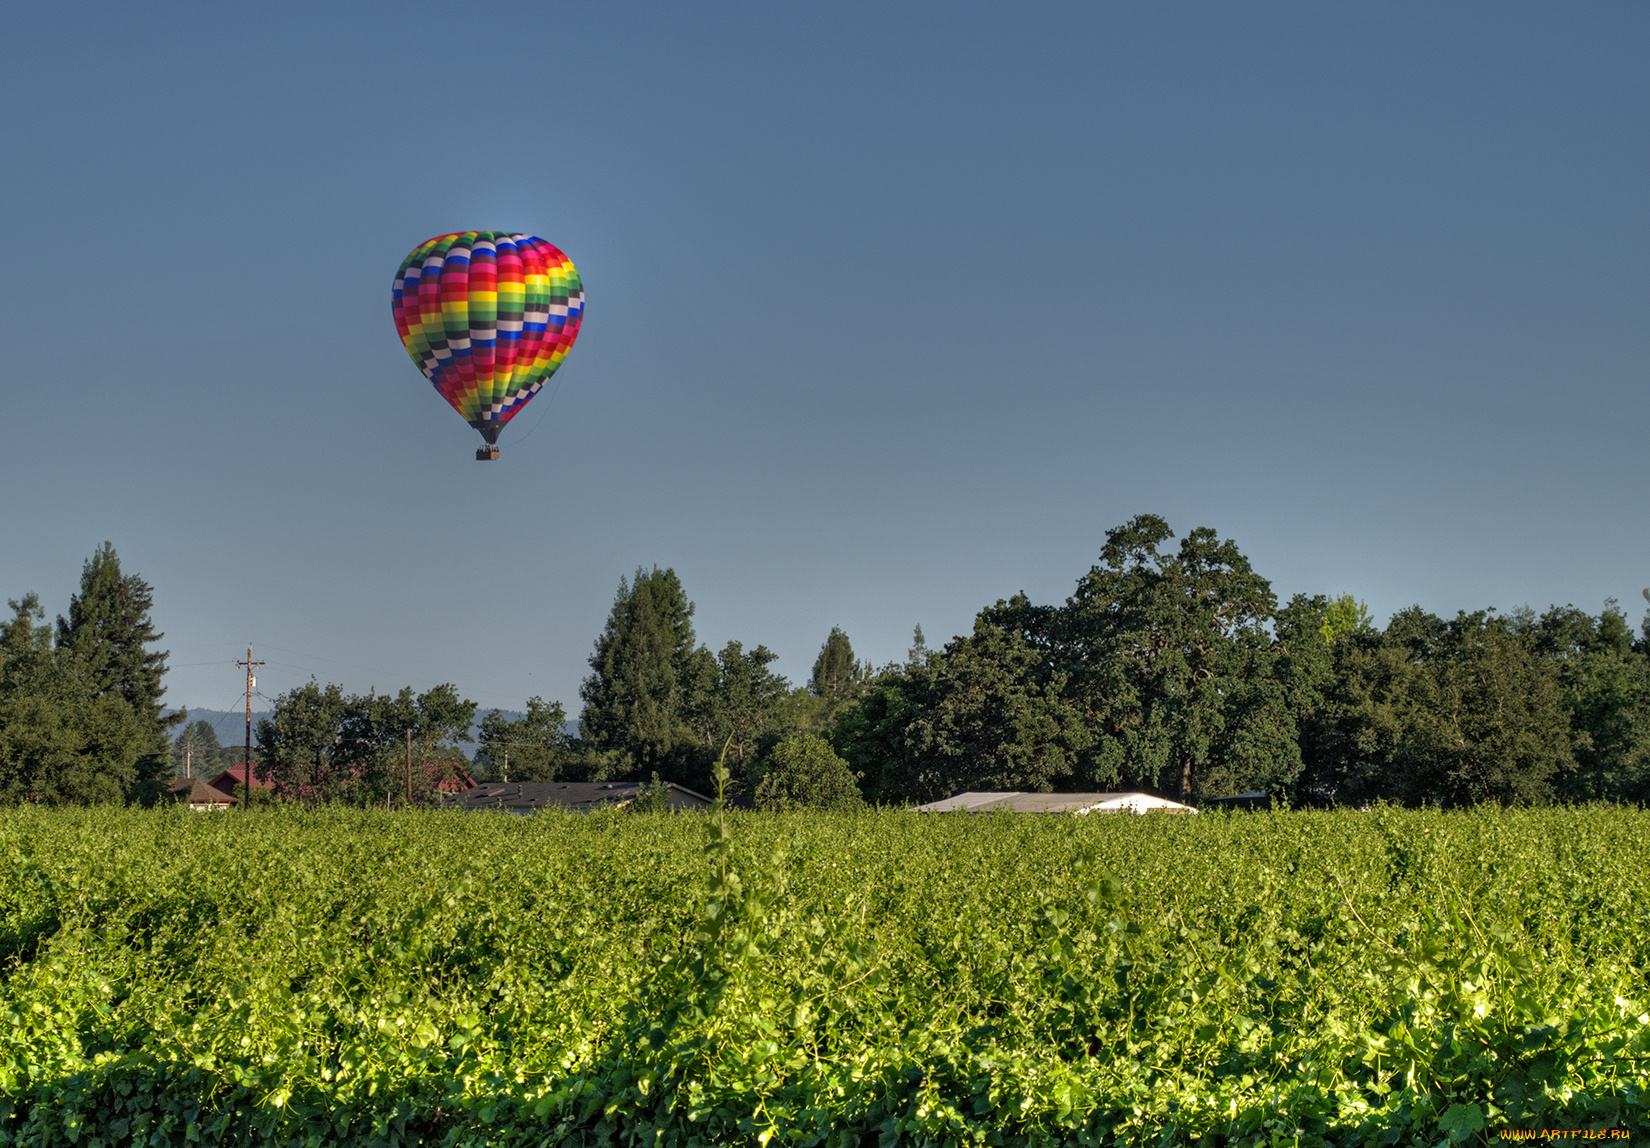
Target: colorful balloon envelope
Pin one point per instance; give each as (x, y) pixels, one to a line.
(488, 316)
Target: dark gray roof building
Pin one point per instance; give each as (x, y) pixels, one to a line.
(575, 796)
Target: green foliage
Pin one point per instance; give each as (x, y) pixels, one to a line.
(919, 653)
(61, 740)
(59, 747)
(352, 977)
(81, 721)
(802, 772)
(1160, 646)
(642, 672)
(257, 797)
(109, 632)
(197, 750)
(1472, 710)
(532, 748)
(24, 645)
(320, 744)
(737, 702)
(1170, 669)
(984, 715)
(870, 736)
(836, 675)
(655, 701)
(438, 718)
(1357, 740)
(1159, 672)
(654, 797)
(834, 686)
(1344, 616)
(1604, 683)
(300, 743)
(1494, 728)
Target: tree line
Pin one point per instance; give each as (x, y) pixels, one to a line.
(1172, 667)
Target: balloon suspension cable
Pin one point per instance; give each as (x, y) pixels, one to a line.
(554, 391)
(489, 453)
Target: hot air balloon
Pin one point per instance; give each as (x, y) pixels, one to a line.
(488, 316)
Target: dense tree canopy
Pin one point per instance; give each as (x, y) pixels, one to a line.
(803, 772)
(1169, 655)
(533, 747)
(1160, 671)
(1176, 670)
(657, 703)
(836, 675)
(984, 714)
(63, 740)
(1604, 691)
(737, 701)
(321, 744)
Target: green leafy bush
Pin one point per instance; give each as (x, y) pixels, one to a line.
(654, 797)
(803, 772)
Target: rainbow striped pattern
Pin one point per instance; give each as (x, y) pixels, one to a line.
(488, 316)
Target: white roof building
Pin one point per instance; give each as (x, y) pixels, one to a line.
(1016, 802)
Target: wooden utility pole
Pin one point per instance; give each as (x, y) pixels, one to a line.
(246, 761)
(409, 766)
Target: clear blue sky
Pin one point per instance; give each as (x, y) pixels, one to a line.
(893, 310)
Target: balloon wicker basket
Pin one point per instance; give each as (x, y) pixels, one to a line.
(487, 454)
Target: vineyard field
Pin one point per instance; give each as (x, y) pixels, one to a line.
(333, 976)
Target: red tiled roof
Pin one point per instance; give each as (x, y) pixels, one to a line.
(451, 777)
(235, 775)
(457, 778)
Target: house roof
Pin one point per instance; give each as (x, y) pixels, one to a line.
(197, 792)
(449, 777)
(1014, 801)
(235, 775)
(453, 776)
(579, 796)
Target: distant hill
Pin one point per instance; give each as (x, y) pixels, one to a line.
(228, 725)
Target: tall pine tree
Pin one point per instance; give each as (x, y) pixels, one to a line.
(836, 674)
(108, 632)
(642, 672)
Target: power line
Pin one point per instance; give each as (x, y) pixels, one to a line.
(389, 674)
(226, 712)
